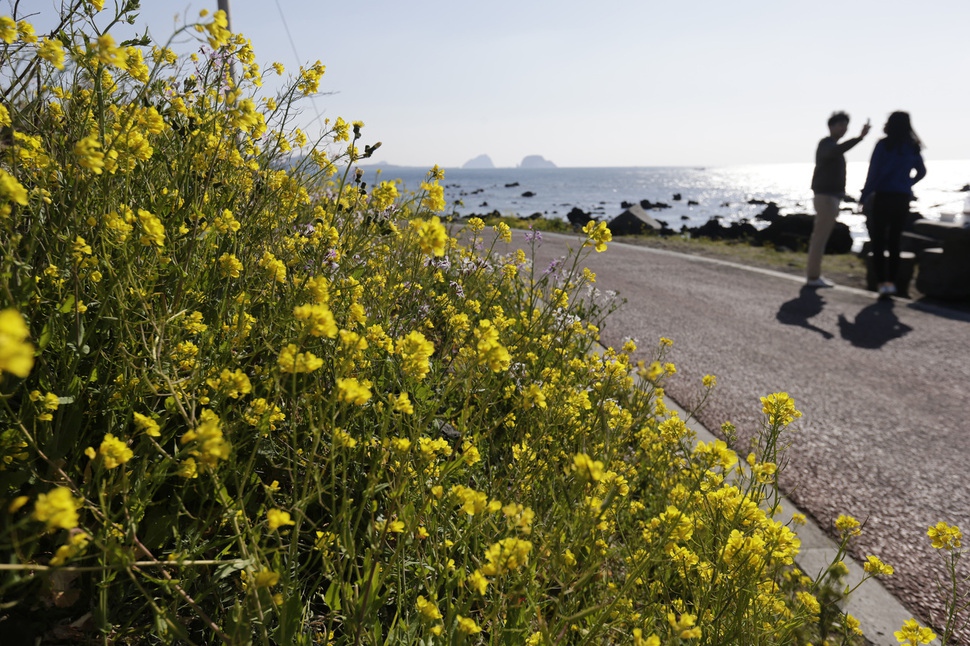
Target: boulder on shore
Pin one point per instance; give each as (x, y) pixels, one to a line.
(633, 221)
(794, 231)
(714, 230)
(578, 217)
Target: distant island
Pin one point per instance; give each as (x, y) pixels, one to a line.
(482, 161)
(536, 161)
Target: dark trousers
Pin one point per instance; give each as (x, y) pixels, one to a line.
(885, 224)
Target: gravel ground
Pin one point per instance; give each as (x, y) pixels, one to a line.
(884, 388)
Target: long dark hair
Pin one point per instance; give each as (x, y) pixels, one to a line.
(899, 132)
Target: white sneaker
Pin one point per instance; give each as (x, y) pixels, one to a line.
(887, 290)
(820, 282)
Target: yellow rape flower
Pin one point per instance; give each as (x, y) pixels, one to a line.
(291, 360)
(876, 567)
(320, 320)
(415, 351)
(273, 266)
(230, 266)
(638, 639)
(402, 404)
(432, 236)
(477, 582)
(76, 543)
(57, 508)
(587, 468)
(154, 230)
(309, 82)
(467, 626)
(208, 443)
(383, 196)
(26, 32)
(352, 391)
(508, 555)
(780, 409)
(847, 525)
(266, 578)
(944, 536)
(472, 502)
(427, 609)
(88, 151)
(684, 625)
(52, 52)
(434, 199)
(597, 235)
(503, 231)
(114, 452)
(147, 424)
(490, 351)
(16, 354)
(8, 29)
(277, 518)
(912, 634)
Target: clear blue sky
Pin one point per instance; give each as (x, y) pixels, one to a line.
(618, 82)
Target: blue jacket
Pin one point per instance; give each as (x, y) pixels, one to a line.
(891, 171)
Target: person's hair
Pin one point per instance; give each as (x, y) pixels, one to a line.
(899, 131)
(838, 117)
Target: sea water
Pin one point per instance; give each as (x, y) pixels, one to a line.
(732, 193)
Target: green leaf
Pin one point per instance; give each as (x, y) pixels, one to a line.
(332, 596)
(67, 305)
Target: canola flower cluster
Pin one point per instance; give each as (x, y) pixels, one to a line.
(256, 401)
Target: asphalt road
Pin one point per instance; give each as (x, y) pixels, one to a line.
(884, 388)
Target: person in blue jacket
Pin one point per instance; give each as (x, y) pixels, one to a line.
(887, 193)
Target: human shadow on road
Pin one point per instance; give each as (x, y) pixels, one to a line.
(874, 326)
(799, 310)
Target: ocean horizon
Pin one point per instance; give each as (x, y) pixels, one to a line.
(729, 193)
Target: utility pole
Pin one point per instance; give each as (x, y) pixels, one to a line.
(224, 6)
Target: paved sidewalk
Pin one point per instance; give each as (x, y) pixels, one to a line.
(884, 388)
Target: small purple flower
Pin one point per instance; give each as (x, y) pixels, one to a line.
(532, 235)
(553, 265)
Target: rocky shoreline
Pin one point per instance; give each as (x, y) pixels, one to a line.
(771, 228)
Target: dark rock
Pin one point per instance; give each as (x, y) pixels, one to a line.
(534, 216)
(685, 217)
(676, 197)
(578, 218)
(647, 204)
(965, 189)
(725, 205)
(634, 220)
(528, 194)
(770, 214)
(757, 202)
(692, 203)
(715, 231)
(483, 205)
(512, 185)
(793, 232)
